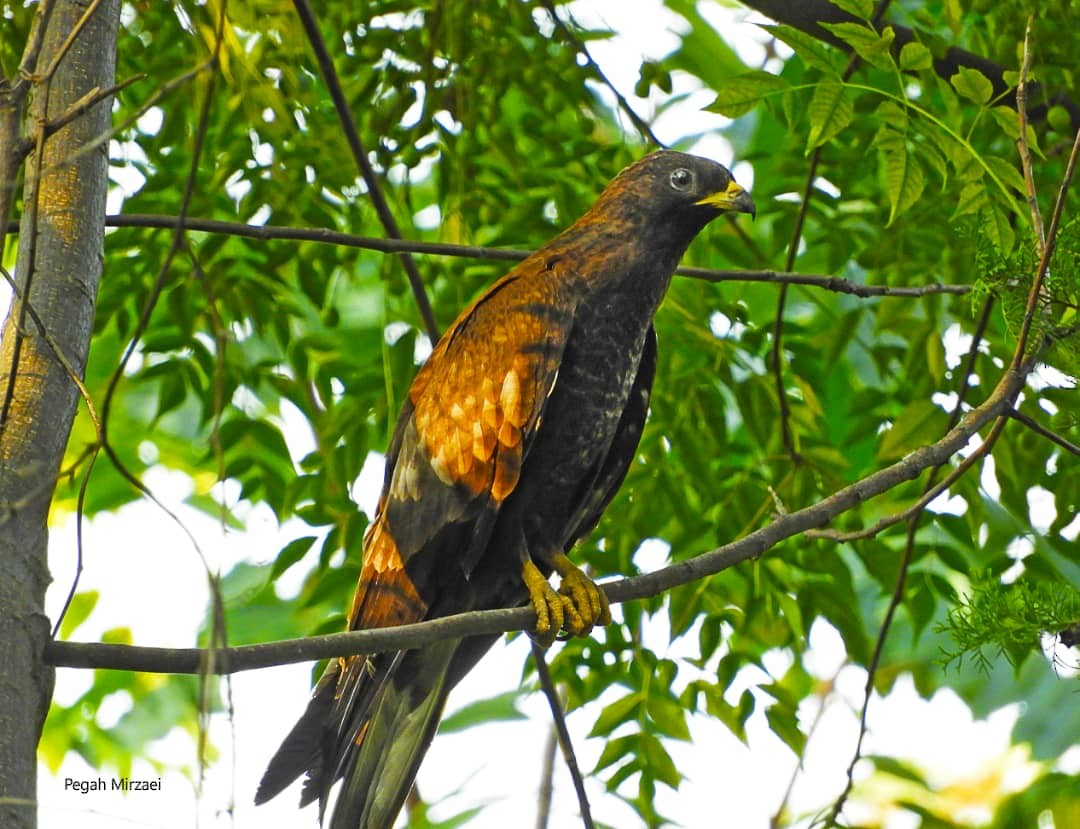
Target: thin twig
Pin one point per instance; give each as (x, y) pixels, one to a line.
(547, 780)
(900, 582)
(1047, 253)
(577, 43)
(148, 308)
(88, 102)
(371, 180)
(558, 719)
(779, 816)
(1022, 143)
(1041, 430)
(91, 409)
(34, 42)
(835, 284)
(776, 353)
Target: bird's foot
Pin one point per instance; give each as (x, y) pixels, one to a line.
(578, 605)
(586, 604)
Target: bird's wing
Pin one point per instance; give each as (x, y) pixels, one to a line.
(466, 428)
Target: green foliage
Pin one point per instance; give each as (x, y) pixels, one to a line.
(1009, 620)
(487, 129)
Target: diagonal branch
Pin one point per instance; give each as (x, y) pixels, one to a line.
(376, 640)
(1042, 431)
(808, 15)
(577, 43)
(375, 193)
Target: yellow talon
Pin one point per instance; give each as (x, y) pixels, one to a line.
(587, 603)
(576, 607)
(549, 605)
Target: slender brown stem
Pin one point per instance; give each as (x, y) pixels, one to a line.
(577, 43)
(1022, 143)
(1042, 431)
(558, 718)
(360, 156)
(835, 284)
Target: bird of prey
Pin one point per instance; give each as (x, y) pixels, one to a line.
(515, 435)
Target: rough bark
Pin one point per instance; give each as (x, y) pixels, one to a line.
(58, 266)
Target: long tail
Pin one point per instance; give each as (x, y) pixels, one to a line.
(371, 725)
(379, 772)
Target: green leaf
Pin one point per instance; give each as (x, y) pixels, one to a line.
(914, 57)
(499, 708)
(1006, 172)
(740, 94)
(811, 50)
(866, 43)
(862, 9)
(1006, 119)
(973, 198)
(919, 423)
(792, 614)
(615, 750)
(1059, 118)
(82, 605)
(935, 357)
(830, 111)
(616, 714)
(904, 180)
(897, 768)
(659, 762)
(972, 84)
(784, 724)
(290, 554)
(668, 716)
(703, 52)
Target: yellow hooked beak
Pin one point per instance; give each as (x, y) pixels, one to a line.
(733, 198)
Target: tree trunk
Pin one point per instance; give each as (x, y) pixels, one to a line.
(58, 266)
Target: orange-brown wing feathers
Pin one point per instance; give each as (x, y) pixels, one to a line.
(460, 443)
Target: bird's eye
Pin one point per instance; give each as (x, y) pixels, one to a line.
(682, 179)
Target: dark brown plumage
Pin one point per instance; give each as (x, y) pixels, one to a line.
(515, 436)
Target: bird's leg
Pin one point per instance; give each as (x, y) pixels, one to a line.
(550, 607)
(586, 604)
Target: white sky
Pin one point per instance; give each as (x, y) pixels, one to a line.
(159, 590)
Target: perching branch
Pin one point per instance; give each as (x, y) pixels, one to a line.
(378, 640)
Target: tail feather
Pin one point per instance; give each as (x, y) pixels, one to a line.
(379, 772)
(301, 750)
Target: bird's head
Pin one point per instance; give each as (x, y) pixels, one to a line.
(669, 196)
(680, 183)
